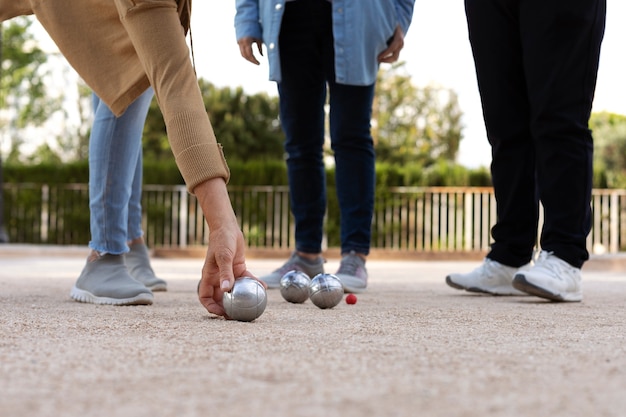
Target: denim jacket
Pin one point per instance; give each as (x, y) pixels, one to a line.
(361, 29)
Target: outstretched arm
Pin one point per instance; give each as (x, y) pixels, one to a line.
(225, 258)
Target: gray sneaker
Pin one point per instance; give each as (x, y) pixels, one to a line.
(138, 264)
(105, 280)
(297, 263)
(352, 273)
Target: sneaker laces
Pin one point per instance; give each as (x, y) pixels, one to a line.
(488, 267)
(557, 267)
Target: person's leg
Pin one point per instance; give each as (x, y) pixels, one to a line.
(114, 147)
(302, 92)
(137, 259)
(498, 55)
(496, 45)
(135, 211)
(561, 75)
(353, 146)
(302, 95)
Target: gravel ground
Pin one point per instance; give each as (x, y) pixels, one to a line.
(410, 346)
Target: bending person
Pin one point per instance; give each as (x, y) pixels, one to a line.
(122, 47)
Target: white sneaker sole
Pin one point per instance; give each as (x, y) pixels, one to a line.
(83, 296)
(508, 290)
(521, 283)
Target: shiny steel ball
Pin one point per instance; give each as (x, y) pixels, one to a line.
(325, 291)
(246, 301)
(294, 286)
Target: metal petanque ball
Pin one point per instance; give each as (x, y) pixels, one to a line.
(246, 301)
(325, 291)
(294, 286)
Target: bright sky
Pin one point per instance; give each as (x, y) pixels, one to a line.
(436, 52)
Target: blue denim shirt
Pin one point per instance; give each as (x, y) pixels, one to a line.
(361, 29)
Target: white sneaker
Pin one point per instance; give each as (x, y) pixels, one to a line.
(551, 278)
(491, 277)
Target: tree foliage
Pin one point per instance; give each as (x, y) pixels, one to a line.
(23, 98)
(609, 133)
(247, 126)
(420, 125)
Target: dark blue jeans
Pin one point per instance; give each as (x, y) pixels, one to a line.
(537, 64)
(307, 66)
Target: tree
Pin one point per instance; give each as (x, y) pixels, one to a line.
(4, 238)
(23, 101)
(73, 142)
(247, 126)
(609, 133)
(412, 124)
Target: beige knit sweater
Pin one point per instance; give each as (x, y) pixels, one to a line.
(120, 47)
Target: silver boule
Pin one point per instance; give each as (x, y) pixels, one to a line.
(294, 286)
(325, 291)
(246, 301)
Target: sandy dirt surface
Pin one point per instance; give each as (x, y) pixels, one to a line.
(411, 346)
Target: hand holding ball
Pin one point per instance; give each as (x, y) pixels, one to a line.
(246, 301)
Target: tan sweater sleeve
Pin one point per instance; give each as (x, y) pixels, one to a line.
(198, 159)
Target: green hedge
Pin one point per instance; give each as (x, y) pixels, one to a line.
(273, 172)
(269, 172)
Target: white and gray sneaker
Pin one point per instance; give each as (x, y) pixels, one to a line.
(491, 277)
(551, 278)
(297, 263)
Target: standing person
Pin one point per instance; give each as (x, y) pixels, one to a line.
(536, 64)
(118, 269)
(122, 47)
(315, 45)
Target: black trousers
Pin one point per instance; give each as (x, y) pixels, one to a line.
(536, 63)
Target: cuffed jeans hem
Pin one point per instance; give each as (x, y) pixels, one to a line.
(101, 249)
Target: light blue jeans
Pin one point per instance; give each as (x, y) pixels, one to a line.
(115, 175)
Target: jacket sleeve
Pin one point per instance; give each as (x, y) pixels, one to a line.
(404, 8)
(247, 19)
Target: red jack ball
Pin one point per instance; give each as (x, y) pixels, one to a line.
(351, 299)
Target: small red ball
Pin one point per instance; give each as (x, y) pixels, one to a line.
(351, 299)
